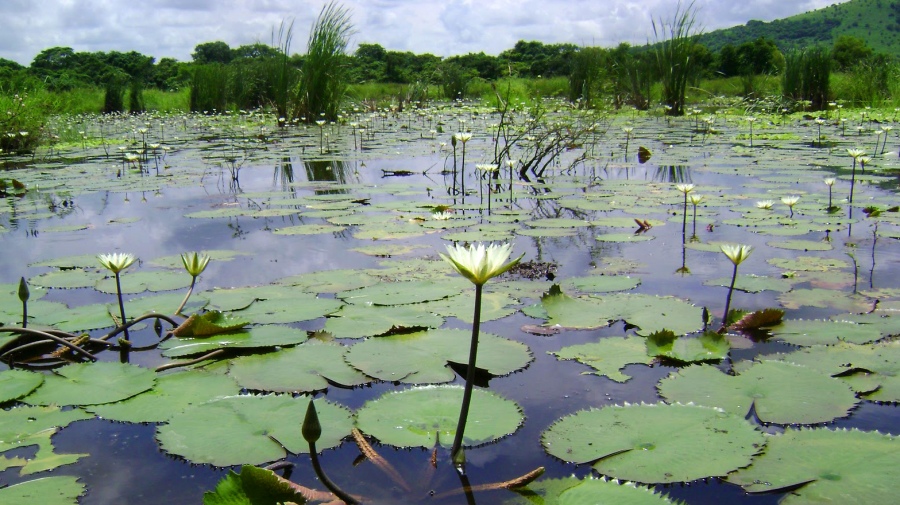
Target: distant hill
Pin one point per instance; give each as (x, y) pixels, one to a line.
(875, 21)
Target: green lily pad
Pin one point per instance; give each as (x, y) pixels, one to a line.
(753, 283)
(44, 459)
(258, 336)
(808, 263)
(801, 245)
(709, 346)
(249, 430)
(208, 324)
(812, 397)
(358, 321)
(18, 383)
(819, 332)
(68, 279)
(825, 466)
(308, 229)
(300, 307)
(878, 364)
(59, 490)
(253, 486)
(421, 358)
(330, 281)
(92, 384)
(172, 394)
(825, 298)
(574, 491)
(603, 283)
(496, 305)
(20, 425)
(308, 367)
(215, 255)
(138, 282)
(623, 237)
(418, 417)
(403, 293)
(655, 443)
(608, 356)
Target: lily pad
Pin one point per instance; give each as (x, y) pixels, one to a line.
(819, 332)
(422, 357)
(808, 263)
(249, 429)
(812, 397)
(825, 466)
(18, 383)
(655, 443)
(138, 282)
(603, 283)
(403, 293)
(92, 384)
(358, 321)
(496, 305)
(574, 491)
(58, 490)
(709, 346)
(418, 417)
(19, 425)
(172, 394)
(308, 367)
(753, 283)
(253, 486)
(258, 336)
(608, 356)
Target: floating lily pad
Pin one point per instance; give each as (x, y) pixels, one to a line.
(402, 293)
(624, 237)
(330, 281)
(255, 337)
(92, 384)
(249, 429)
(171, 394)
(801, 245)
(574, 491)
(282, 310)
(17, 383)
(494, 306)
(422, 357)
(825, 298)
(753, 283)
(609, 356)
(603, 283)
(655, 443)
(872, 369)
(418, 417)
(358, 321)
(253, 486)
(20, 425)
(818, 332)
(59, 490)
(709, 346)
(44, 459)
(812, 397)
(208, 324)
(67, 279)
(825, 466)
(138, 282)
(308, 229)
(308, 367)
(808, 263)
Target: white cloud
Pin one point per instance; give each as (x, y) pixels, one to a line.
(171, 28)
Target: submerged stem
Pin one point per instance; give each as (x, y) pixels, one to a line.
(728, 299)
(456, 450)
(121, 304)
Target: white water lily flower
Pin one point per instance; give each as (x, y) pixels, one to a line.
(765, 204)
(194, 263)
(487, 167)
(684, 188)
(116, 262)
(855, 153)
(463, 137)
(442, 216)
(695, 199)
(737, 253)
(478, 263)
(790, 201)
(829, 181)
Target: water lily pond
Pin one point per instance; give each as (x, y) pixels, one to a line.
(600, 355)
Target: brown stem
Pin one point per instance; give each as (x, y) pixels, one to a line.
(211, 355)
(48, 336)
(379, 462)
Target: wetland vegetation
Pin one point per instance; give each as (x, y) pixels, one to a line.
(689, 298)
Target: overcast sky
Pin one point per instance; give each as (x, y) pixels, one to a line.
(171, 28)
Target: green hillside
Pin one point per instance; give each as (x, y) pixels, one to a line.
(875, 21)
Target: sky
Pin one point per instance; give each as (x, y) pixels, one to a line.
(172, 28)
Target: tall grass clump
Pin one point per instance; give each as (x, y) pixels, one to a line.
(114, 96)
(585, 81)
(167, 101)
(454, 81)
(21, 123)
(673, 48)
(136, 97)
(806, 77)
(631, 77)
(281, 77)
(326, 71)
(209, 88)
(867, 83)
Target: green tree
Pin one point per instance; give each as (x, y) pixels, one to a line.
(849, 51)
(254, 51)
(212, 52)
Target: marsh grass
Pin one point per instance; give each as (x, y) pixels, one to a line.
(114, 96)
(674, 44)
(167, 101)
(325, 75)
(806, 77)
(586, 79)
(209, 88)
(136, 103)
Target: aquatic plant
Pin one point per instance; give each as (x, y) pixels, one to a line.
(856, 154)
(325, 76)
(790, 201)
(24, 294)
(737, 253)
(116, 263)
(829, 181)
(479, 264)
(195, 263)
(750, 120)
(673, 49)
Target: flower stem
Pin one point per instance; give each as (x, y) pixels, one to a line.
(456, 450)
(188, 295)
(121, 304)
(728, 299)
